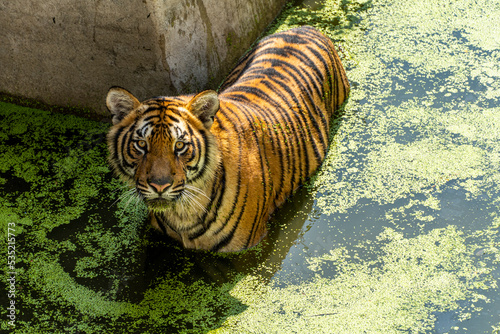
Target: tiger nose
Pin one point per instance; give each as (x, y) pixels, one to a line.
(159, 185)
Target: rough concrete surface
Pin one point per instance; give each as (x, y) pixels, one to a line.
(70, 53)
(398, 233)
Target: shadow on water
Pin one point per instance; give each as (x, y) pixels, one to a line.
(114, 255)
(220, 268)
(158, 269)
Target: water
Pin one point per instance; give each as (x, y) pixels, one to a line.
(398, 233)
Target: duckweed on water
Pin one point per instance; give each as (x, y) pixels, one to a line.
(400, 291)
(427, 94)
(422, 120)
(402, 235)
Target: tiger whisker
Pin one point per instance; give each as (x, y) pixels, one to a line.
(189, 200)
(182, 200)
(138, 199)
(128, 202)
(131, 194)
(194, 200)
(120, 187)
(198, 190)
(122, 196)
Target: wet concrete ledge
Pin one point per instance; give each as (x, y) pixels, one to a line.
(69, 54)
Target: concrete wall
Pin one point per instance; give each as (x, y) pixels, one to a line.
(69, 52)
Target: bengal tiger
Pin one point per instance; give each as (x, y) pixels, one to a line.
(212, 167)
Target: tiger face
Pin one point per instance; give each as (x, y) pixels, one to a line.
(163, 146)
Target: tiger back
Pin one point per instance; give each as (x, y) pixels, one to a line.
(213, 167)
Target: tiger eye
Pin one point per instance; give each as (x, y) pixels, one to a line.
(179, 145)
(142, 143)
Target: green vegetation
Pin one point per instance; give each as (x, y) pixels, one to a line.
(401, 290)
(401, 227)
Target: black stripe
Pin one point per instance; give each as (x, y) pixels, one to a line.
(263, 159)
(229, 236)
(115, 156)
(197, 146)
(304, 90)
(150, 119)
(243, 65)
(260, 110)
(208, 151)
(175, 119)
(303, 118)
(283, 64)
(289, 120)
(263, 95)
(255, 226)
(235, 198)
(215, 197)
(125, 150)
(160, 224)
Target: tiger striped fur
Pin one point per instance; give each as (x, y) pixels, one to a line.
(213, 167)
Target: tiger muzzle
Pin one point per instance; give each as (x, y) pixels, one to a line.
(160, 185)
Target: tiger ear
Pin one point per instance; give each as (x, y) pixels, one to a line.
(204, 106)
(120, 103)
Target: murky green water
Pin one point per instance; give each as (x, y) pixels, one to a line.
(398, 233)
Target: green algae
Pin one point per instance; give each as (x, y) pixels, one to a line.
(401, 121)
(410, 280)
(55, 169)
(171, 305)
(422, 122)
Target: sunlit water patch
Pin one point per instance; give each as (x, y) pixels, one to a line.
(404, 237)
(398, 233)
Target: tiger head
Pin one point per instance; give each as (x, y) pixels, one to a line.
(163, 146)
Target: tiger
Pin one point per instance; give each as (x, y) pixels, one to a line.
(212, 167)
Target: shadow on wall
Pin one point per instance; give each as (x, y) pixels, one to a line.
(69, 54)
